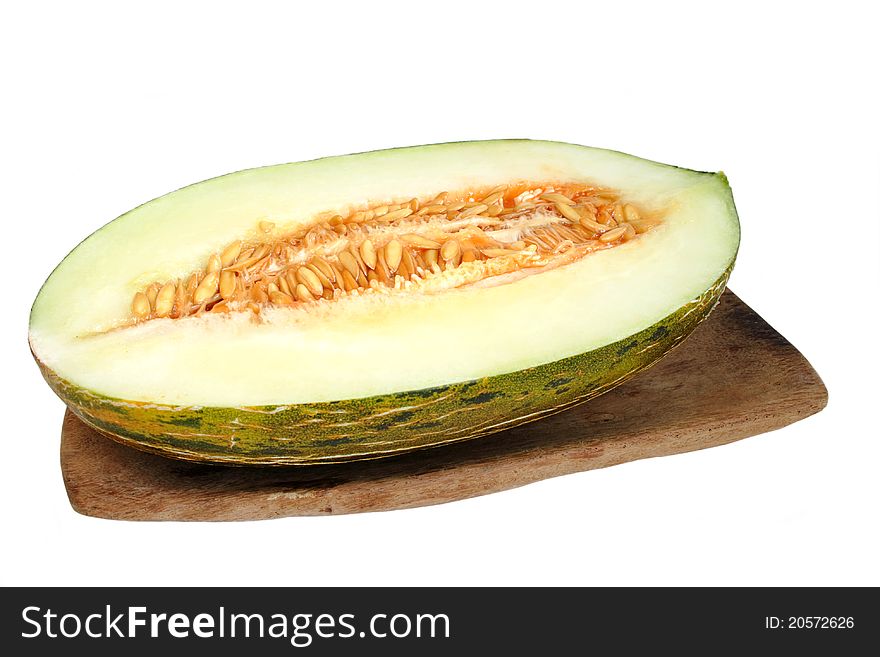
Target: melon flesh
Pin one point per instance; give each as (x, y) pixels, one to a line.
(371, 345)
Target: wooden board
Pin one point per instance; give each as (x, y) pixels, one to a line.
(734, 377)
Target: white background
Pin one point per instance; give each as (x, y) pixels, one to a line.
(106, 106)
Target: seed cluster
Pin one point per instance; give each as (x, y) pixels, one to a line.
(396, 246)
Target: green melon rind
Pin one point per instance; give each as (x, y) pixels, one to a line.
(383, 425)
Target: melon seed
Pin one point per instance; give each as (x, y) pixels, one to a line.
(630, 213)
(284, 285)
(450, 250)
(140, 305)
(165, 300)
(214, 263)
(307, 278)
(324, 267)
(230, 254)
(303, 294)
(152, 292)
(568, 212)
(419, 241)
(347, 260)
(431, 257)
(407, 264)
(555, 198)
(227, 284)
(207, 288)
(397, 214)
(393, 254)
(473, 211)
(325, 282)
(494, 196)
(613, 234)
(281, 299)
(593, 226)
(348, 281)
(368, 253)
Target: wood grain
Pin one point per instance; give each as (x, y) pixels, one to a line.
(734, 377)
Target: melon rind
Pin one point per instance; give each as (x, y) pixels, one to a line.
(383, 425)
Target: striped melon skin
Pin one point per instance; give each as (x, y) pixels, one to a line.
(384, 425)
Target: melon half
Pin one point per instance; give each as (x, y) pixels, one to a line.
(360, 306)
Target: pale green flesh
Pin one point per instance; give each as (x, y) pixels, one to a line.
(366, 346)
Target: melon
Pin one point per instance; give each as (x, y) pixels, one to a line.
(367, 305)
